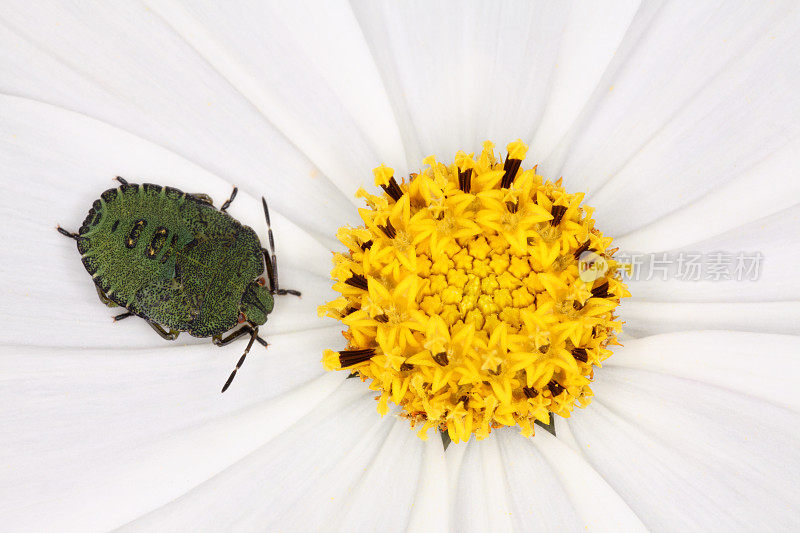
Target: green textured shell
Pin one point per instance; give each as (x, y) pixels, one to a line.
(169, 257)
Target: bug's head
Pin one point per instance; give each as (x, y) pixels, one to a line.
(257, 302)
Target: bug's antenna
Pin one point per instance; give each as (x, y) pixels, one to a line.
(253, 336)
(271, 259)
(271, 244)
(121, 180)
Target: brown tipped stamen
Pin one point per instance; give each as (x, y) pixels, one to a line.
(465, 180)
(601, 291)
(389, 230)
(382, 318)
(441, 359)
(555, 388)
(511, 167)
(558, 213)
(512, 207)
(366, 245)
(405, 367)
(393, 189)
(354, 357)
(530, 392)
(580, 354)
(358, 281)
(580, 249)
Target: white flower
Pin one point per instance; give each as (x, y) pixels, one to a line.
(679, 118)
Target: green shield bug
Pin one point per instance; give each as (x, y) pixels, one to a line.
(179, 263)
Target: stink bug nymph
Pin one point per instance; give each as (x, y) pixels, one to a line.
(179, 263)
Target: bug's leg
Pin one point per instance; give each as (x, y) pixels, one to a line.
(271, 259)
(219, 341)
(122, 316)
(121, 180)
(170, 335)
(227, 203)
(206, 199)
(66, 233)
(244, 330)
(103, 298)
(272, 275)
(253, 336)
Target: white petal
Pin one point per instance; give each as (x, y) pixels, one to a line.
(768, 187)
(123, 64)
(505, 483)
(689, 455)
(306, 477)
(132, 431)
(706, 92)
(599, 507)
(43, 280)
(481, 494)
(538, 499)
(759, 365)
(768, 245)
(431, 511)
(589, 42)
(307, 68)
(457, 76)
(645, 318)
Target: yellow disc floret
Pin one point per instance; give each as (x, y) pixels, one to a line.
(476, 295)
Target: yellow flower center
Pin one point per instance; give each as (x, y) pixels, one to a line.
(476, 295)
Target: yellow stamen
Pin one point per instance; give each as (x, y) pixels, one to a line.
(476, 295)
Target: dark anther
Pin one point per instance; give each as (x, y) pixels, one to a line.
(349, 310)
(366, 245)
(555, 388)
(601, 291)
(354, 357)
(530, 392)
(512, 207)
(576, 305)
(393, 189)
(511, 166)
(582, 248)
(382, 318)
(388, 229)
(558, 213)
(441, 358)
(465, 180)
(580, 354)
(358, 281)
(406, 367)
(464, 399)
